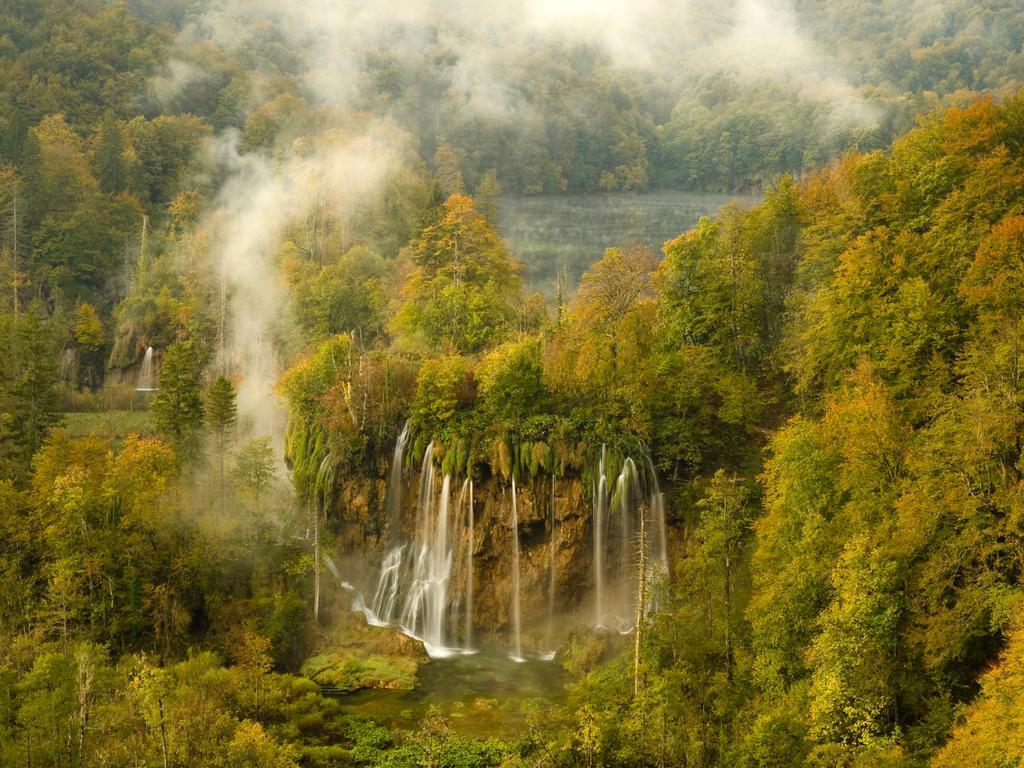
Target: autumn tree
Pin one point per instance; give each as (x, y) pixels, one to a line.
(458, 294)
(606, 330)
(449, 177)
(723, 532)
(486, 196)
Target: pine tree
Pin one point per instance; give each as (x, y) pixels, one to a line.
(221, 414)
(30, 167)
(12, 136)
(177, 406)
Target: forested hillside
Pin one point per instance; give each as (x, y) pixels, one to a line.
(240, 308)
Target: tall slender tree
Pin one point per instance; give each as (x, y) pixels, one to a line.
(221, 415)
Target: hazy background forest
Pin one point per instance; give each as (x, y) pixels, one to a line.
(745, 277)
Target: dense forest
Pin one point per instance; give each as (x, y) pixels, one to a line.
(241, 308)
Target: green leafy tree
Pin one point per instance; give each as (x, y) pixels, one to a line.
(255, 467)
(723, 532)
(29, 398)
(90, 342)
(109, 157)
(851, 689)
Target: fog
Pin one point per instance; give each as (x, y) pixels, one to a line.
(254, 207)
(261, 195)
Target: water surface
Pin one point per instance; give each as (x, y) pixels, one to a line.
(482, 694)
(549, 233)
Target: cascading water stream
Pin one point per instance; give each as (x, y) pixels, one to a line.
(617, 518)
(385, 600)
(516, 621)
(394, 493)
(552, 543)
(600, 513)
(427, 602)
(414, 587)
(145, 380)
(659, 543)
(470, 544)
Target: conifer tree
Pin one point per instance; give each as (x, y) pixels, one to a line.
(178, 406)
(221, 414)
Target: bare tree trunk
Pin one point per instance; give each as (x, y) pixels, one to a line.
(163, 733)
(316, 562)
(728, 615)
(641, 602)
(85, 680)
(220, 453)
(14, 245)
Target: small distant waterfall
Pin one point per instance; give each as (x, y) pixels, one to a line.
(659, 541)
(145, 380)
(516, 622)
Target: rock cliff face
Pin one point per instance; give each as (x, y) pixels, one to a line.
(554, 537)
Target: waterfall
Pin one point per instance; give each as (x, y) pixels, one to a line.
(516, 626)
(145, 380)
(427, 602)
(625, 508)
(600, 500)
(634, 492)
(414, 588)
(394, 492)
(659, 544)
(552, 544)
(469, 573)
(385, 600)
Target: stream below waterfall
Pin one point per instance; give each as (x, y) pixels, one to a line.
(483, 694)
